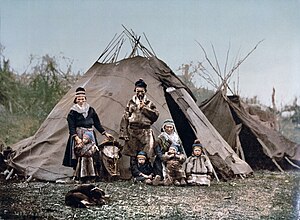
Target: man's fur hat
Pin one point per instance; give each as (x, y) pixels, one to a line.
(140, 83)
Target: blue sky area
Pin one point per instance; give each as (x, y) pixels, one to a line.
(80, 30)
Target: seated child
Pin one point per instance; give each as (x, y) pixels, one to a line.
(174, 170)
(85, 170)
(198, 167)
(141, 168)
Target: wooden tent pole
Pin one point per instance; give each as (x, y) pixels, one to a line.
(290, 162)
(239, 147)
(274, 161)
(269, 154)
(215, 174)
(29, 179)
(213, 169)
(9, 174)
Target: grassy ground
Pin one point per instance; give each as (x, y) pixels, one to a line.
(267, 195)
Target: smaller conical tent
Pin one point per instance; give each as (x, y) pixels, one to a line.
(251, 134)
(261, 146)
(109, 85)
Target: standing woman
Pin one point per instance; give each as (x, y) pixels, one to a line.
(81, 119)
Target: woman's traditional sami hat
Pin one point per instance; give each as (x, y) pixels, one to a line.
(167, 122)
(80, 91)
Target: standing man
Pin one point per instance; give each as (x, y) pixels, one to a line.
(139, 115)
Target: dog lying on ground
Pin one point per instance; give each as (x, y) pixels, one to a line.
(85, 195)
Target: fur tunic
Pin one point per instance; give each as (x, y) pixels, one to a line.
(135, 126)
(198, 169)
(174, 166)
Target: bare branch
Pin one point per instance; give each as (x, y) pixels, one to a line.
(216, 59)
(208, 60)
(241, 61)
(149, 44)
(226, 61)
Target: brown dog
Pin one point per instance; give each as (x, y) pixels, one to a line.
(85, 195)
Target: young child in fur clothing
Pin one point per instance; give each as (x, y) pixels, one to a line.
(141, 168)
(198, 167)
(85, 170)
(174, 171)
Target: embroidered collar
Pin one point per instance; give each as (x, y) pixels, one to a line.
(136, 100)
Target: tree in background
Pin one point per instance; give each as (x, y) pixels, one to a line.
(188, 74)
(8, 84)
(290, 121)
(26, 99)
(47, 83)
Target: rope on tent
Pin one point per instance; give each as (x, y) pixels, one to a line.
(269, 154)
(290, 162)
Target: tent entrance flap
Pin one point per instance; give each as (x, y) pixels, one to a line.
(182, 124)
(254, 154)
(252, 149)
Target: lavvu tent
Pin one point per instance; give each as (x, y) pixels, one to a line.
(109, 84)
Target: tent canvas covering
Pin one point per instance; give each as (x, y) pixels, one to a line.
(261, 145)
(109, 86)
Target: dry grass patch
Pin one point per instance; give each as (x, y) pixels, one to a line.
(267, 195)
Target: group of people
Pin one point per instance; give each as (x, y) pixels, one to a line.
(171, 166)
(156, 161)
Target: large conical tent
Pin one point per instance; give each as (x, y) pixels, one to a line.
(109, 84)
(261, 146)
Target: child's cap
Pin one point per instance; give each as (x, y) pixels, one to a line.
(175, 146)
(199, 146)
(142, 154)
(89, 135)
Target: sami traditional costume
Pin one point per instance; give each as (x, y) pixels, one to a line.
(80, 119)
(135, 125)
(174, 167)
(138, 169)
(198, 168)
(163, 143)
(86, 166)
